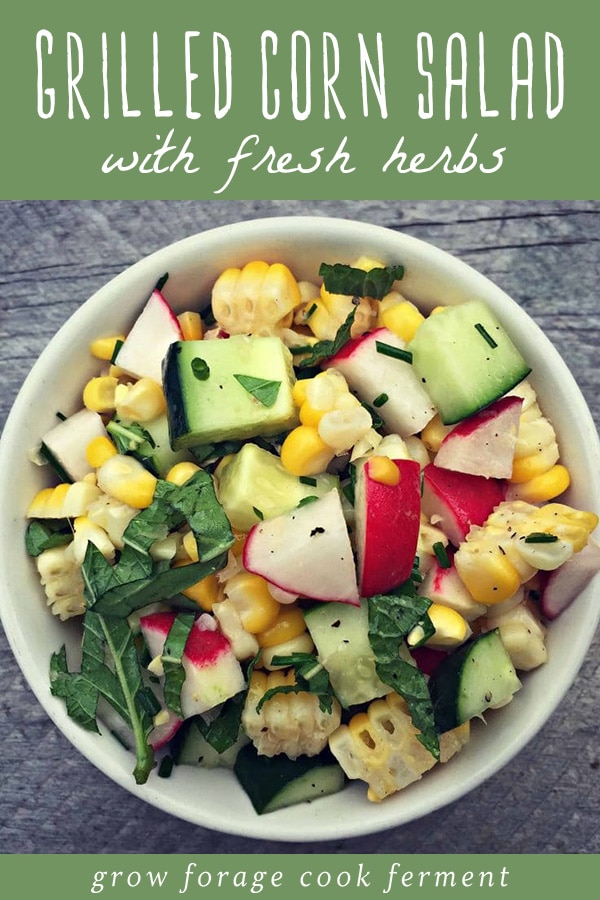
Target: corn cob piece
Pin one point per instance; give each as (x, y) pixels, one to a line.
(380, 746)
(291, 723)
(516, 541)
(259, 299)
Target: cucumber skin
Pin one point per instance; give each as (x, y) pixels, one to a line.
(274, 782)
(447, 687)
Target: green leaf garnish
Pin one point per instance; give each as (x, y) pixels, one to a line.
(172, 660)
(44, 535)
(324, 349)
(311, 676)
(262, 389)
(200, 369)
(342, 279)
(391, 618)
(441, 554)
(223, 731)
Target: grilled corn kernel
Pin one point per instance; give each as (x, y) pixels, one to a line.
(191, 326)
(342, 428)
(99, 450)
(181, 472)
(288, 624)
(65, 501)
(126, 479)
(99, 393)
(258, 299)
(403, 319)
(489, 575)
(542, 488)
(383, 470)
(205, 592)
(535, 464)
(434, 433)
(303, 452)
(104, 348)
(451, 629)
(141, 401)
(250, 596)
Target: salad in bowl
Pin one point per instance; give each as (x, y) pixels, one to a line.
(305, 527)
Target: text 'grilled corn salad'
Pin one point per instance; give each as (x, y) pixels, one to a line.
(310, 532)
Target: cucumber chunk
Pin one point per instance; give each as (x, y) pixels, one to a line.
(207, 402)
(477, 676)
(276, 782)
(192, 749)
(340, 632)
(255, 479)
(465, 359)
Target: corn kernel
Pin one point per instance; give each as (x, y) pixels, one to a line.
(191, 326)
(490, 578)
(535, 464)
(436, 310)
(301, 644)
(451, 628)
(205, 592)
(104, 348)
(308, 415)
(434, 433)
(542, 487)
(303, 452)
(288, 624)
(190, 546)
(99, 450)
(342, 428)
(99, 394)
(403, 319)
(141, 401)
(250, 595)
(126, 479)
(181, 472)
(366, 263)
(383, 470)
(299, 391)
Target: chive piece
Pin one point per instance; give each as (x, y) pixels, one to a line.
(200, 369)
(258, 513)
(540, 537)
(60, 415)
(306, 500)
(118, 344)
(422, 485)
(380, 401)
(161, 282)
(394, 352)
(166, 767)
(485, 335)
(308, 479)
(310, 311)
(441, 554)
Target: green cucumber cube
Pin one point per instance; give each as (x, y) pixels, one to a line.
(465, 359)
(207, 403)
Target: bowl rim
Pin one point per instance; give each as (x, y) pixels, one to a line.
(271, 827)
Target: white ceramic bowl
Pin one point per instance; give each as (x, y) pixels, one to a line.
(56, 380)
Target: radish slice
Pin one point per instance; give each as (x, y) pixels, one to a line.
(484, 444)
(564, 584)
(146, 344)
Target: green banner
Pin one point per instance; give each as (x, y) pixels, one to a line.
(187, 100)
(321, 875)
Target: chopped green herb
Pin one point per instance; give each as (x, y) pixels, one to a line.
(118, 344)
(441, 554)
(308, 479)
(342, 279)
(262, 389)
(324, 349)
(394, 352)
(306, 500)
(165, 767)
(540, 537)
(172, 660)
(60, 415)
(380, 401)
(200, 369)
(49, 457)
(42, 536)
(311, 676)
(311, 309)
(391, 618)
(485, 335)
(258, 513)
(161, 282)
(296, 351)
(223, 731)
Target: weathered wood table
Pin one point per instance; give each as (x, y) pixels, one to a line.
(53, 255)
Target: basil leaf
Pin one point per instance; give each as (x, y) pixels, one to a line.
(262, 389)
(223, 732)
(172, 660)
(311, 676)
(324, 349)
(130, 437)
(342, 279)
(42, 536)
(391, 618)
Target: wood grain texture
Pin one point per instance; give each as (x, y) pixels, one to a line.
(53, 256)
